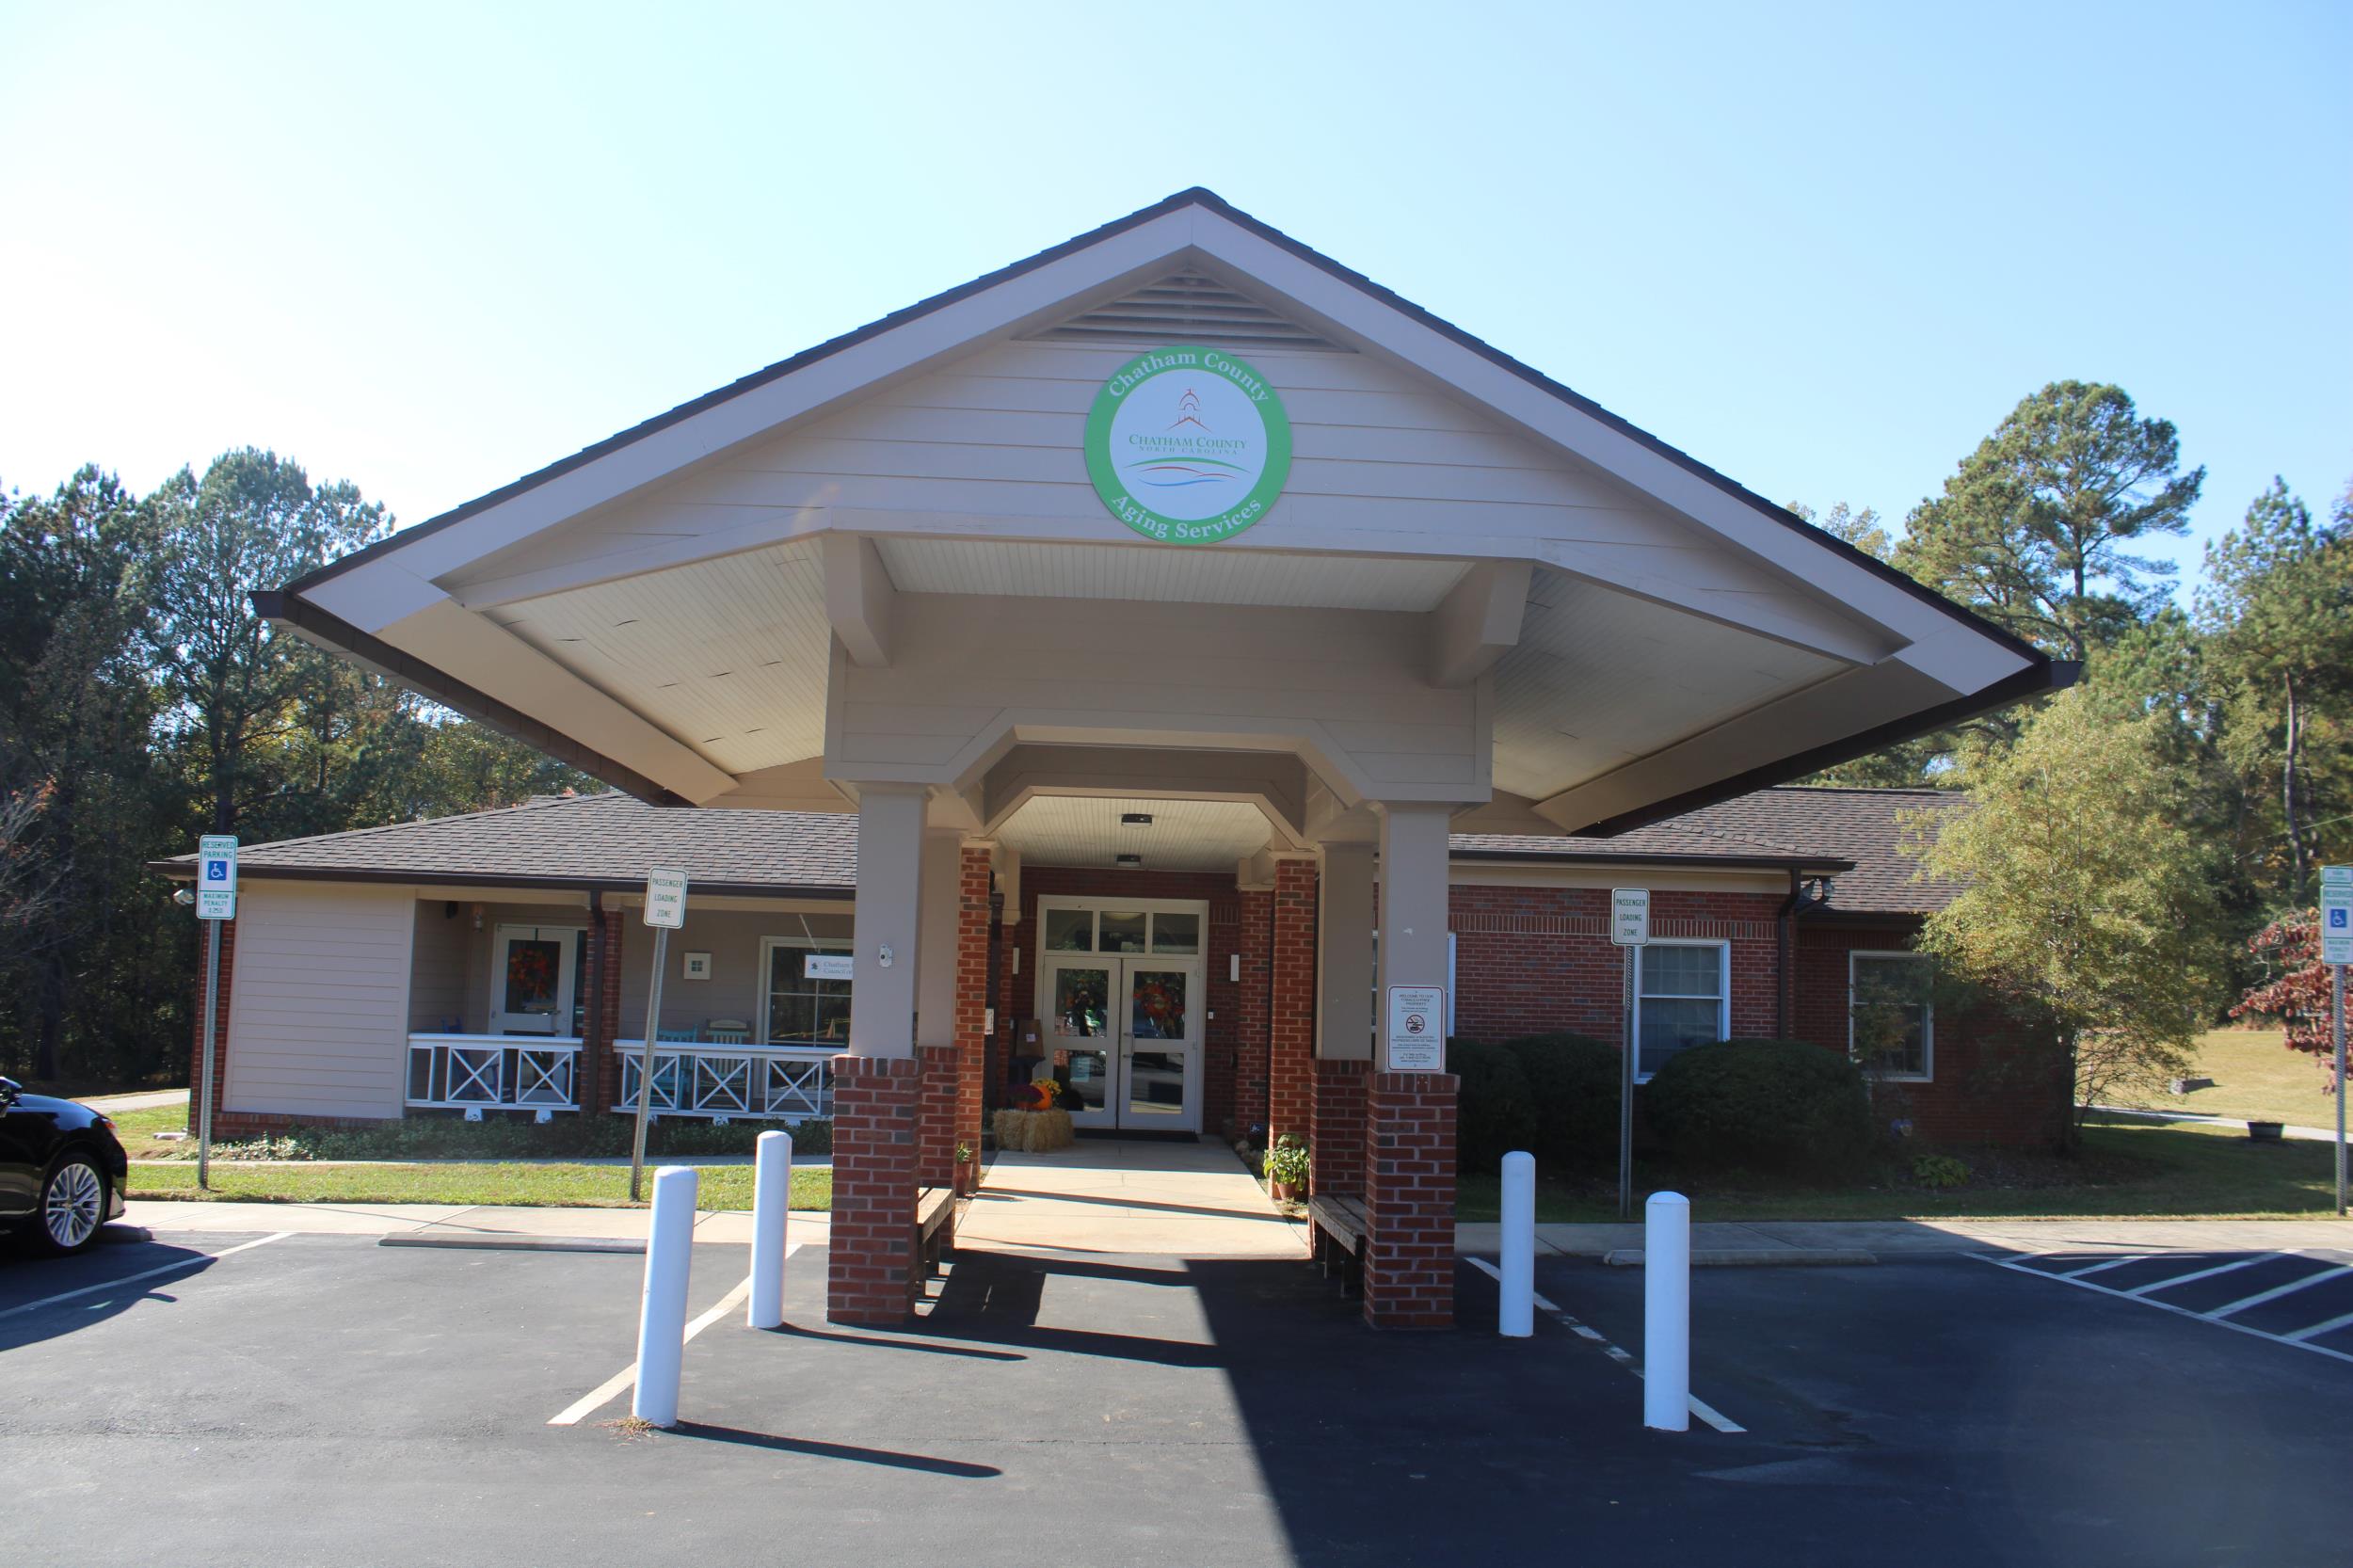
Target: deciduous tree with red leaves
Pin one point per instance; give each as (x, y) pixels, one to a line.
(2297, 993)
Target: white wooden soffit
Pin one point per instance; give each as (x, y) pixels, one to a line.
(1476, 621)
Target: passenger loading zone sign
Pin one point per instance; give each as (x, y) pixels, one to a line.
(2336, 914)
(1416, 1029)
(216, 877)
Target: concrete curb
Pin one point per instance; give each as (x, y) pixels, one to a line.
(512, 1243)
(1751, 1258)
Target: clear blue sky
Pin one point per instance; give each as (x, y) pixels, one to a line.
(432, 248)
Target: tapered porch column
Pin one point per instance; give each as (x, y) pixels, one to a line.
(1344, 971)
(871, 1266)
(1410, 1107)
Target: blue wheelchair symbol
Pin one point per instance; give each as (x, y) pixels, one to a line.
(215, 871)
(2337, 918)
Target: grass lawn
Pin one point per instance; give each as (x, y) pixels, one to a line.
(525, 1185)
(2144, 1171)
(2255, 1076)
(138, 1129)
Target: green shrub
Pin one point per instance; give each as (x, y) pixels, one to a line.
(1775, 1104)
(1286, 1161)
(1573, 1088)
(1495, 1113)
(1940, 1169)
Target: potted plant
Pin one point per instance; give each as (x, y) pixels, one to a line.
(1287, 1167)
(967, 1170)
(2266, 1132)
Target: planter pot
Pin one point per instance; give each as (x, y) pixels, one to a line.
(1285, 1192)
(968, 1180)
(2266, 1132)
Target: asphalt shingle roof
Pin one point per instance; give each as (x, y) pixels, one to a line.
(614, 840)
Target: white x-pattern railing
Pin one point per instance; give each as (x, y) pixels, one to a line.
(709, 1078)
(490, 1071)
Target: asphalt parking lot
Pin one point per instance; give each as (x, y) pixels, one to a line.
(319, 1399)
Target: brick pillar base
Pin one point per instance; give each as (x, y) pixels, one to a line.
(1409, 1200)
(1335, 1128)
(872, 1271)
(1291, 1002)
(942, 1076)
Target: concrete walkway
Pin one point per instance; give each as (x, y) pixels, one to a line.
(2303, 1134)
(145, 1100)
(1151, 1198)
(1889, 1237)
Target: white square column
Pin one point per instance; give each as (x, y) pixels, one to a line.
(1413, 904)
(889, 918)
(1344, 956)
(936, 962)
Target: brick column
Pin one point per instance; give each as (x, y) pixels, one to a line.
(871, 1266)
(1335, 1126)
(1250, 1029)
(1409, 1200)
(971, 1026)
(1291, 1001)
(935, 1150)
(220, 1028)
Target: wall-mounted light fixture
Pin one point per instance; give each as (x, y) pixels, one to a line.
(1232, 968)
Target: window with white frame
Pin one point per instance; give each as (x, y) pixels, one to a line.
(804, 994)
(1682, 997)
(1891, 1021)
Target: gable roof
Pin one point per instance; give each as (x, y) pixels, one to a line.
(1208, 200)
(611, 840)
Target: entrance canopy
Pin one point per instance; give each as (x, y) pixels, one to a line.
(1179, 510)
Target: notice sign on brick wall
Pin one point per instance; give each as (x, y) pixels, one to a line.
(1416, 1029)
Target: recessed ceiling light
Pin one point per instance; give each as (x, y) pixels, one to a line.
(1135, 819)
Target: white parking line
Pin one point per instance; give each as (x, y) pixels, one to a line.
(1699, 1407)
(2297, 1340)
(611, 1387)
(2206, 1273)
(2278, 1291)
(2107, 1263)
(172, 1268)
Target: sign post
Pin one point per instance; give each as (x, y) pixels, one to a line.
(666, 911)
(2336, 951)
(215, 901)
(1629, 928)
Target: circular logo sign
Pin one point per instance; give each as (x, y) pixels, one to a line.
(1188, 446)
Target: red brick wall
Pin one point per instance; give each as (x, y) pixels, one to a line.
(1256, 928)
(1336, 1130)
(870, 1264)
(936, 1150)
(1291, 1001)
(1409, 1200)
(600, 1070)
(971, 1004)
(1988, 1086)
(1539, 960)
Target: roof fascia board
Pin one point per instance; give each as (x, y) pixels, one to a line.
(179, 871)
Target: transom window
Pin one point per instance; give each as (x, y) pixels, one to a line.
(1140, 929)
(805, 999)
(1891, 1022)
(1682, 998)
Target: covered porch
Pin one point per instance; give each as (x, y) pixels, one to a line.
(1046, 552)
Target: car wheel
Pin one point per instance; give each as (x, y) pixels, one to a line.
(72, 1205)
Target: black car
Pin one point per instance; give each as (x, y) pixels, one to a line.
(61, 1169)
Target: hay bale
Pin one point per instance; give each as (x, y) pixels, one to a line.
(1034, 1132)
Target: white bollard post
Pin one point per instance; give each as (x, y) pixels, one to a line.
(662, 1315)
(772, 1197)
(1666, 1312)
(1515, 1311)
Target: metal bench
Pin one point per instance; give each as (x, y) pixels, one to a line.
(934, 1207)
(1339, 1223)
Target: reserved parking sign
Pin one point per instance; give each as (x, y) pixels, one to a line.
(216, 877)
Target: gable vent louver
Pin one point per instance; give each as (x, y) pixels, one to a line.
(1187, 308)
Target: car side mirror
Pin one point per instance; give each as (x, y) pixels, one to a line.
(9, 1089)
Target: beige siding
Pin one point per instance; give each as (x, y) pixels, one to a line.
(437, 987)
(318, 1011)
(732, 938)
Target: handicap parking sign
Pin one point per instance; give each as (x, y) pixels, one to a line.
(216, 877)
(2336, 915)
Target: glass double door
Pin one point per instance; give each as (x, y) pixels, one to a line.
(1123, 1037)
